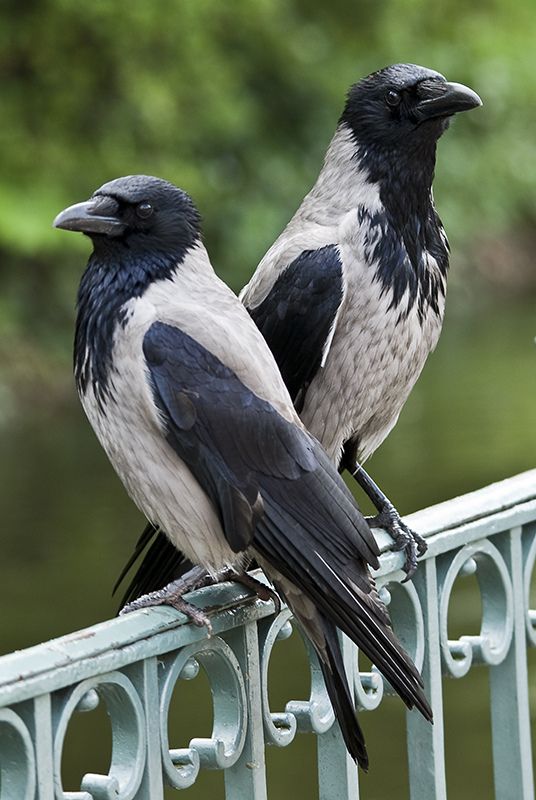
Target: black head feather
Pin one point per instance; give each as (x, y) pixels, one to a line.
(396, 116)
(382, 109)
(141, 229)
(157, 217)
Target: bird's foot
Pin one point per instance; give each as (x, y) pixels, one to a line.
(404, 537)
(197, 578)
(261, 590)
(172, 595)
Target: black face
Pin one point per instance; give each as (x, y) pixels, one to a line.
(138, 213)
(404, 104)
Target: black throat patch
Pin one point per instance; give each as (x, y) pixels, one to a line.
(400, 258)
(407, 231)
(106, 286)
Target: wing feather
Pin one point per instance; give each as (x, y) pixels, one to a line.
(298, 316)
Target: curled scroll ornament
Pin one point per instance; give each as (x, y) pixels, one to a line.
(491, 645)
(312, 715)
(17, 765)
(128, 736)
(529, 560)
(223, 748)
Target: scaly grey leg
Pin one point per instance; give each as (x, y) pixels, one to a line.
(390, 520)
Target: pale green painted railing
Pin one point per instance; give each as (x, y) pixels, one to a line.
(133, 663)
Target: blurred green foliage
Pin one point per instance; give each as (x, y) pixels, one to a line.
(236, 103)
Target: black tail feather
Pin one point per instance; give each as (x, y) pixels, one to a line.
(161, 564)
(341, 697)
(320, 553)
(364, 620)
(147, 534)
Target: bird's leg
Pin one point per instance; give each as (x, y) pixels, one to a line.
(172, 594)
(390, 520)
(197, 578)
(261, 590)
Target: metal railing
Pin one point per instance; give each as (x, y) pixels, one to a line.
(132, 665)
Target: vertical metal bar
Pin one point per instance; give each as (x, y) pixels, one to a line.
(144, 676)
(510, 720)
(425, 742)
(246, 779)
(43, 742)
(337, 772)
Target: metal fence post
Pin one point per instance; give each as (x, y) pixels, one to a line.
(337, 772)
(426, 750)
(510, 720)
(246, 780)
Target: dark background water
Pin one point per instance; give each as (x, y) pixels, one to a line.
(68, 526)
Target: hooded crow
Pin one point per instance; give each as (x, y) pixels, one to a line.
(186, 399)
(350, 297)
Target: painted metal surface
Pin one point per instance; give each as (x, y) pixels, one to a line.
(133, 663)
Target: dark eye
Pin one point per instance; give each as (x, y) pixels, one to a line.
(144, 210)
(392, 98)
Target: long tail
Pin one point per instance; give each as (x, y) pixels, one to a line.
(341, 697)
(324, 637)
(317, 548)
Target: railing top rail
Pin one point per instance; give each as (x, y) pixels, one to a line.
(118, 642)
(486, 511)
(492, 499)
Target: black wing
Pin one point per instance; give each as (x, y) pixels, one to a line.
(298, 314)
(240, 449)
(277, 492)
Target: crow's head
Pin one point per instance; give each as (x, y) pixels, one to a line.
(141, 229)
(137, 214)
(403, 107)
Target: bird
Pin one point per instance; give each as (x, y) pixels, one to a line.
(350, 297)
(186, 399)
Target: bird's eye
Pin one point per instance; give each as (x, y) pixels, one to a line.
(392, 98)
(144, 210)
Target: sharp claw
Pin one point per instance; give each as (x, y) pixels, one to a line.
(422, 545)
(410, 565)
(172, 595)
(262, 591)
(403, 537)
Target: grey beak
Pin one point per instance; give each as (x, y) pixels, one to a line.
(98, 215)
(445, 99)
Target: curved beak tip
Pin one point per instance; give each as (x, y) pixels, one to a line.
(447, 99)
(74, 218)
(97, 216)
(468, 97)
(59, 221)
